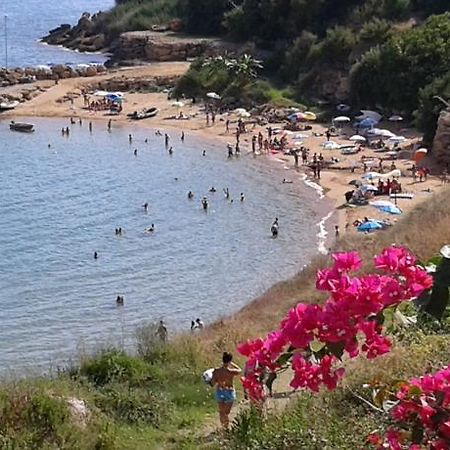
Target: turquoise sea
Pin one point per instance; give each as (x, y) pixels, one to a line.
(60, 204)
(29, 20)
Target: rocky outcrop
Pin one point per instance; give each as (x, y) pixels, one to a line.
(137, 84)
(10, 77)
(161, 46)
(84, 36)
(441, 145)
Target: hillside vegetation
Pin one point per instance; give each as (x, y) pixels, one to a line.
(389, 54)
(156, 399)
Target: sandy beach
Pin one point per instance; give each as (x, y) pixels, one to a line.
(54, 101)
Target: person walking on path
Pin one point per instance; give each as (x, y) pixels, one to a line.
(225, 394)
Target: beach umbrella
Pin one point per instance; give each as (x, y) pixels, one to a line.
(368, 122)
(390, 209)
(342, 107)
(239, 110)
(299, 136)
(370, 225)
(396, 139)
(379, 203)
(178, 104)
(244, 114)
(371, 175)
(101, 93)
(368, 188)
(367, 113)
(341, 119)
(395, 118)
(358, 138)
(308, 115)
(213, 95)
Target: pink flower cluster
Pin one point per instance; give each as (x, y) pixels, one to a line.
(423, 406)
(314, 337)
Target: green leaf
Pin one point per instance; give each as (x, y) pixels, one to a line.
(336, 349)
(316, 346)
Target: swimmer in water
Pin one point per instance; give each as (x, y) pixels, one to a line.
(205, 203)
(146, 141)
(242, 197)
(130, 138)
(170, 151)
(212, 189)
(120, 300)
(286, 181)
(90, 127)
(150, 229)
(226, 191)
(135, 152)
(145, 206)
(182, 136)
(49, 145)
(95, 255)
(109, 124)
(190, 195)
(274, 228)
(204, 153)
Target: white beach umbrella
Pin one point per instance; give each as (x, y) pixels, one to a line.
(341, 119)
(213, 95)
(178, 104)
(101, 93)
(240, 110)
(396, 139)
(368, 188)
(395, 118)
(358, 138)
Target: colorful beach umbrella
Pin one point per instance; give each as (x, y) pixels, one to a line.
(420, 154)
(343, 107)
(309, 115)
(396, 139)
(367, 113)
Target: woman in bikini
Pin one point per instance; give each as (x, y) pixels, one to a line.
(225, 394)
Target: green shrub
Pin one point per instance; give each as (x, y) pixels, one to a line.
(114, 365)
(134, 406)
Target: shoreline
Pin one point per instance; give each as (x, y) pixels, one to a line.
(330, 188)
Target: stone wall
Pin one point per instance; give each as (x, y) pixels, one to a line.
(441, 145)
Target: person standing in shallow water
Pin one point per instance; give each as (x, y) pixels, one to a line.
(225, 394)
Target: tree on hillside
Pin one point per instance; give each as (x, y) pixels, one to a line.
(393, 74)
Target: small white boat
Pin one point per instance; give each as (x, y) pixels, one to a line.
(7, 106)
(21, 126)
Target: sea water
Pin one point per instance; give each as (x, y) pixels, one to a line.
(60, 204)
(27, 21)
